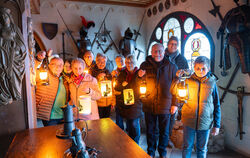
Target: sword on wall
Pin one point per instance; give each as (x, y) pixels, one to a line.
(69, 32)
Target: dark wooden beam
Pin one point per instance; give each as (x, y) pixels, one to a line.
(133, 3)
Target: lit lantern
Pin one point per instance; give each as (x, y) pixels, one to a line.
(43, 73)
(143, 89)
(114, 82)
(182, 91)
(128, 96)
(86, 71)
(84, 105)
(106, 88)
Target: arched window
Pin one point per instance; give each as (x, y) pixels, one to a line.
(194, 38)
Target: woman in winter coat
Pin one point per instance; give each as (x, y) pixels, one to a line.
(84, 84)
(130, 108)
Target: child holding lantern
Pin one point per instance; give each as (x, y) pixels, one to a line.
(128, 103)
(104, 80)
(201, 111)
(83, 84)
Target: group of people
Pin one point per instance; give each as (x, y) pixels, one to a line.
(160, 71)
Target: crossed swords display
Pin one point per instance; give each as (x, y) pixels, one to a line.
(240, 93)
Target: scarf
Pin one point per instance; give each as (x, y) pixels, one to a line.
(130, 74)
(172, 56)
(77, 79)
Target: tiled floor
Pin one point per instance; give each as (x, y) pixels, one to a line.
(176, 153)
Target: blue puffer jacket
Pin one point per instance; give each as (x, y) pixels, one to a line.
(159, 76)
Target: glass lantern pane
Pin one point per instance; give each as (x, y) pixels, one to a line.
(197, 45)
(150, 47)
(171, 28)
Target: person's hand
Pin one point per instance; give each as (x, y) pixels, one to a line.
(124, 83)
(114, 73)
(86, 91)
(173, 109)
(215, 131)
(101, 76)
(179, 73)
(41, 55)
(141, 73)
(49, 52)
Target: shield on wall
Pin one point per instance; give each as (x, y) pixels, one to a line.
(50, 30)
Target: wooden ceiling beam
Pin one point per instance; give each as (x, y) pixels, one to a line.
(133, 3)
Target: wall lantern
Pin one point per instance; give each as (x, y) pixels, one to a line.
(106, 88)
(84, 105)
(128, 96)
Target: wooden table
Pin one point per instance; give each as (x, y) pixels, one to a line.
(105, 136)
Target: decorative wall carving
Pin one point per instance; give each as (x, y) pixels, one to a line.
(12, 56)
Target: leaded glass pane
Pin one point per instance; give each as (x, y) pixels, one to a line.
(197, 45)
(172, 28)
(189, 25)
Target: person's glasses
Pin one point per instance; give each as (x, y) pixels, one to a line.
(173, 44)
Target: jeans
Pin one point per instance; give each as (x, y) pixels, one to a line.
(52, 122)
(119, 119)
(153, 134)
(134, 129)
(202, 137)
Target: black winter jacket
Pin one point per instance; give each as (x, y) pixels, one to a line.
(159, 77)
(128, 111)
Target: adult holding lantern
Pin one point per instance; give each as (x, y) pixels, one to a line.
(158, 102)
(128, 102)
(84, 91)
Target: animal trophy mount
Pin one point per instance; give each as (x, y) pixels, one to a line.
(13, 53)
(84, 43)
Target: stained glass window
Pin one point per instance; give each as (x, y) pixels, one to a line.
(193, 36)
(196, 45)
